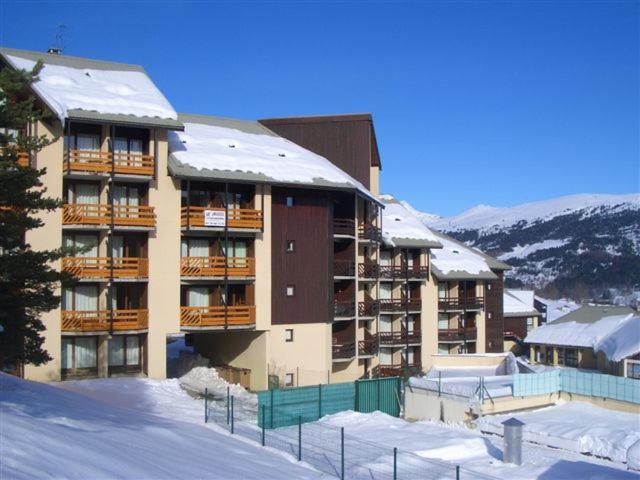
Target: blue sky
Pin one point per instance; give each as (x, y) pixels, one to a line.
(474, 102)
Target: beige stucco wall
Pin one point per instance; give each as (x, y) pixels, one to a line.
(164, 263)
(374, 180)
(429, 319)
(49, 237)
(262, 249)
(345, 372)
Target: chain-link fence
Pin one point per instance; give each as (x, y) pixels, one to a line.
(328, 448)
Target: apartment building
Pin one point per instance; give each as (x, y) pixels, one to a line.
(520, 317)
(215, 227)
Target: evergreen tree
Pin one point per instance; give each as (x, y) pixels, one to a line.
(27, 281)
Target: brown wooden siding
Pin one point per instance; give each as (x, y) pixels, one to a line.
(494, 335)
(345, 142)
(517, 325)
(308, 269)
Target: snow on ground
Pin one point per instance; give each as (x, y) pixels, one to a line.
(123, 428)
(121, 89)
(523, 251)
(576, 426)
(558, 308)
(472, 450)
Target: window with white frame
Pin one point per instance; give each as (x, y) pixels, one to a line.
(529, 324)
(289, 380)
(288, 335)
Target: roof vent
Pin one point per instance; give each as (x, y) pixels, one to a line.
(456, 251)
(281, 155)
(54, 51)
(232, 146)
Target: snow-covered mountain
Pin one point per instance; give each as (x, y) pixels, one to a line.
(577, 245)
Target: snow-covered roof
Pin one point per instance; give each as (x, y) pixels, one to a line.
(242, 150)
(400, 228)
(456, 261)
(85, 89)
(615, 332)
(518, 303)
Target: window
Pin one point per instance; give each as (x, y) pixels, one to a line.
(489, 315)
(289, 380)
(633, 369)
(443, 321)
(124, 351)
(289, 201)
(291, 246)
(290, 290)
(571, 357)
(288, 335)
(443, 348)
(488, 286)
(79, 353)
(442, 290)
(560, 356)
(529, 324)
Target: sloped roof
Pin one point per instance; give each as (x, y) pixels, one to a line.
(400, 228)
(92, 90)
(519, 303)
(230, 149)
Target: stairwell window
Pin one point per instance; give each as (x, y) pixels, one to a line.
(291, 289)
(291, 246)
(289, 201)
(288, 335)
(289, 380)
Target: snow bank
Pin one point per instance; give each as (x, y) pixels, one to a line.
(575, 426)
(633, 456)
(399, 223)
(209, 147)
(122, 428)
(200, 378)
(114, 91)
(618, 336)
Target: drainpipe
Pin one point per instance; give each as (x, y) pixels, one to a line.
(110, 143)
(226, 256)
(68, 146)
(406, 310)
(188, 204)
(464, 319)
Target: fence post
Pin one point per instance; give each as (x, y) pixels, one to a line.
(206, 407)
(395, 463)
(264, 420)
(356, 397)
(227, 405)
(299, 437)
(271, 409)
(341, 453)
(319, 400)
(231, 414)
(457, 472)
(439, 383)
(378, 391)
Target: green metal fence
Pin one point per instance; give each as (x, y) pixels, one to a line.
(284, 407)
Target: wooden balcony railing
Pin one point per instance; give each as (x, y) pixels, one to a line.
(100, 214)
(368, 308)
(344, 226)
(400, 304)
(460, 303)
(457, 334)
(100, 320)
(237, 217)
(104, 162)
(368, 347)
(403, 271)
(368, 231)
(22, 158)
(101, 267)
(344, 309)
(368, 270)
(215, 267)
(400, 338)
(217, 316)
(344, 268)
(343, 350)
(397, 370)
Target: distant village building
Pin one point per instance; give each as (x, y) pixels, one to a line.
(520, 317)
(595, 337)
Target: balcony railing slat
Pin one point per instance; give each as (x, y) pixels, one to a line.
(100, 214)
(100, 320)
(215, 266)
(214, 316)
(95, 161)
(100, 267)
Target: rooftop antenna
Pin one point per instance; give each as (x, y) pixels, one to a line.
(58, 43)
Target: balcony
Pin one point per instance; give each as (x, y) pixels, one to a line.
(403, 271)
(457, 334)
(100, 215)
(22, 158)
(344, 226)
(218, 316)
(397, 370)
(367, 348)
(343, 351)
(368, 308)
(91, 161)
(400, 304)
(344, 309)
(400, 338)
(344, 268)
(368, 231)
(215, 267)
(106, 267)
(460, 303)
(368, 270)
(100, 320)
(236, 217)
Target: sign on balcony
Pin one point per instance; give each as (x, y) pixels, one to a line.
(215, 218)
